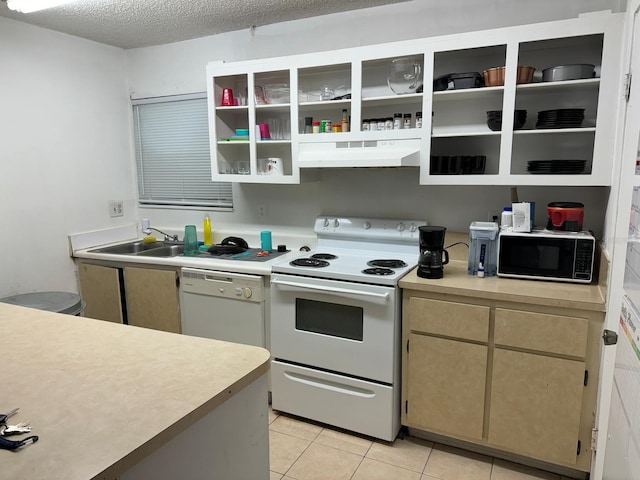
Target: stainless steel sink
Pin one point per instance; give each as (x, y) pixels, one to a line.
(131, 248)
(139, 248)
(163, 251)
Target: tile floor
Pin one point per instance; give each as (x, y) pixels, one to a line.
(308, 451)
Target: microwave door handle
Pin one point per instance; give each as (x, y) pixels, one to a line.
(331, 289)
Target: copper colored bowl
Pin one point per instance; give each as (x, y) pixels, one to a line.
(494, 77)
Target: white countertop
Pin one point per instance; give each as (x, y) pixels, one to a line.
(101, 396)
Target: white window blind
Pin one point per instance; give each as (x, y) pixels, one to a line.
(172, 153)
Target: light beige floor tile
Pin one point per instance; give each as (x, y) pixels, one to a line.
(294, 427)
(428, 477)
(410, 453)
(503, 470)
(319, 462)
(275, 476)
(343, 441)
(284, 450)
(374, 470)
(450, 463)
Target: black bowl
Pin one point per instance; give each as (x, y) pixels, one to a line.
(494, 119)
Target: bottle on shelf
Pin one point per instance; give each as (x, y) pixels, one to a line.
(208, 236)
(308, 124)
(418, 119)
(397, 121)
(344, 125)
(407, 120)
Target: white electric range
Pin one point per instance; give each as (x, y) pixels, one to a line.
(335, 324)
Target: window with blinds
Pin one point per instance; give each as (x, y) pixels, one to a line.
(172, 153)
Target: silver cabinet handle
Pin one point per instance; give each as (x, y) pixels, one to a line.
(330, 289)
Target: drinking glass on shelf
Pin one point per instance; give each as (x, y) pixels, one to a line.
(286, 128)
(243, 168)
(275, 128)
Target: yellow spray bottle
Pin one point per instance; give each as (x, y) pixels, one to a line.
(208, 236)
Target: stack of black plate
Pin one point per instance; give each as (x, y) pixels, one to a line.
(560, 118)
(556, 167)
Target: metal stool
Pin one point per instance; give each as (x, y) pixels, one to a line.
(58, 302)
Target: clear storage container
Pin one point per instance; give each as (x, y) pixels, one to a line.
(483, 244)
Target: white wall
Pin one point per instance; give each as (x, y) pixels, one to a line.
(180, 68)
(65, 151)
(66, 148)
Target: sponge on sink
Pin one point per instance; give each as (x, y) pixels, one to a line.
(149, 240)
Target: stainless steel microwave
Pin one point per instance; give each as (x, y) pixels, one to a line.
(547, 255)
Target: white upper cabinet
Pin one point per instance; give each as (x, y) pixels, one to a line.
(424, 103)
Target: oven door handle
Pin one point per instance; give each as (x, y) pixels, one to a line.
(331, 289)
(328, 385)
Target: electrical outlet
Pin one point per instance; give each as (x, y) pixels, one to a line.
(116, 208)
(493, 216)
(262, 211)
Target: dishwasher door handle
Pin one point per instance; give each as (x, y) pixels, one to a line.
(330, 289)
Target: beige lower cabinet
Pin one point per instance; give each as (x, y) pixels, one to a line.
(100, 289)
(152, 298)
(144, 297)
(536, 403)
(511, 377)
(446, 386)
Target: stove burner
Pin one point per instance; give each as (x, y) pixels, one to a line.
(308, 262)
(387, 263)
(324, 256)
(378, 271)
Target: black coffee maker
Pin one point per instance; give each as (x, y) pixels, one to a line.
(430, 263)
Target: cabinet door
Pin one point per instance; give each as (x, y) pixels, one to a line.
(535, 405)
(100, 289)
(152, 299)
(446, 386)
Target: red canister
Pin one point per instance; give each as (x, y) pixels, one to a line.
(565, 216)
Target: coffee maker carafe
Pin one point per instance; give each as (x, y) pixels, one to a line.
(431, 264)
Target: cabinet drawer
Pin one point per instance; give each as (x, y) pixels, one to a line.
(538, 331)
(459, 320)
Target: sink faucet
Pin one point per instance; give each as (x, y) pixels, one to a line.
(167, 237)
(146, 229)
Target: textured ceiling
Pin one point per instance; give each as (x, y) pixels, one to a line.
(142, 23)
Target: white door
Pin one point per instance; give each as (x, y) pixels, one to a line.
(618, 448)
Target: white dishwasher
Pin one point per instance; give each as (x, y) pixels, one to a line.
(223, 306)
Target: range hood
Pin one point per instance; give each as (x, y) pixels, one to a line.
(368, 153)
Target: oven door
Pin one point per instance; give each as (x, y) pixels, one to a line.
(337, 326)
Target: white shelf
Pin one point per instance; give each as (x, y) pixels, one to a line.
(463, 131)
(565, 84)
(236, 108)
(552, 131)
(467, 93)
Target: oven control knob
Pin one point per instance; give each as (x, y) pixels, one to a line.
(366, 225)
(247, 292)
(238, 291)
(412, 227)
(221, 290)
(326, 222)
(400, 227)
(336, 223)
